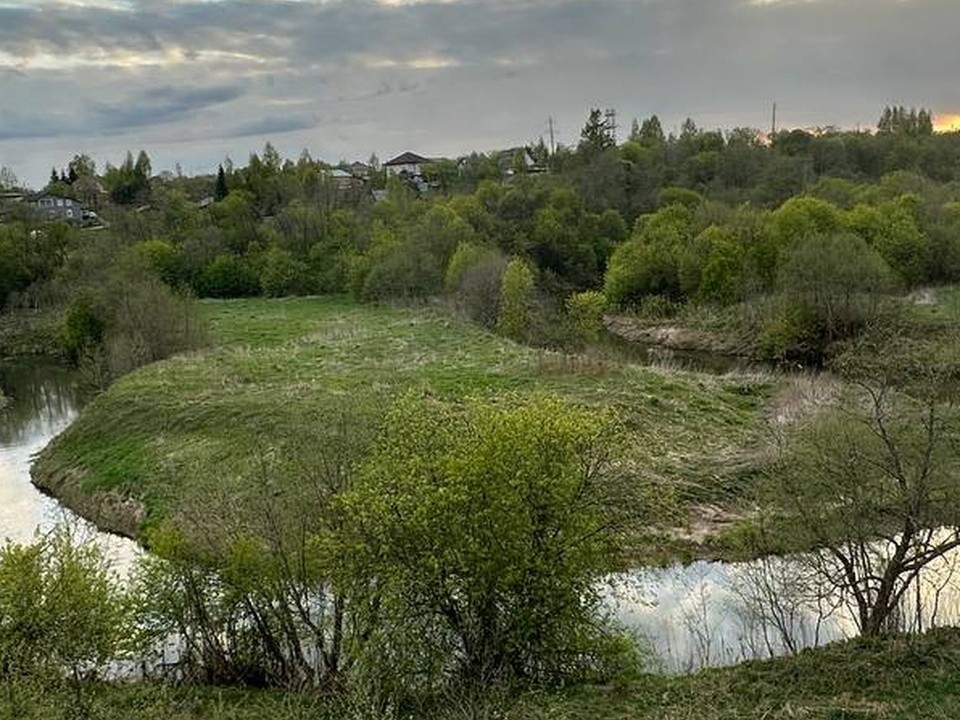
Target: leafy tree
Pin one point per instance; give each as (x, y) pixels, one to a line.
(516, 300)
(585, 311)
(282, 274)
(474, 540)
(82, 165)
(229, 276)
(830, 285)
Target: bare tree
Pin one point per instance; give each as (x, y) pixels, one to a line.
(873, 484)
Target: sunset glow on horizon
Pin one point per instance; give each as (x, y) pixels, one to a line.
(946, 122)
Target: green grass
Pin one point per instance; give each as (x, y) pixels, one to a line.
(891, 679)
(279, 367)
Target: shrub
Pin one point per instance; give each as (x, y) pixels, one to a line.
(282, 274)
(585, 311)
(62, 612)
(516, 300)
(638, 269)
(475, 541)
(229, 276)
(83, 328)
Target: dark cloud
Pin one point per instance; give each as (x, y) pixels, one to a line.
(271, 126)
(159, 105)
(453, 76)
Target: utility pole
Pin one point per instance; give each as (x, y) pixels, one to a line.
(611, 124)
(553, 142)
(773, 130)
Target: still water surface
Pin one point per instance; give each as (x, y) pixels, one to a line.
(43, 398)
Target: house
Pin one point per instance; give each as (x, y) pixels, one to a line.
(409, 164)
(360, 170)
(58, 208)
(345, 180)
(508, 159)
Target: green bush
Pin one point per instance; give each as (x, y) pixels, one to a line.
(282, 274)
(63, 614)
(229, 276)
(83, 327)
(516, 300)
(638, 269)
(474, 540)
(585, 311)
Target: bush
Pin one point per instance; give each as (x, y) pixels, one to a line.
(478, 290)
(83, 328)
(62, 612)
(516, 300)
(229, 276)
(828, 289)
(474, 540)
(638, 269)
(585, 311)
(282, 274)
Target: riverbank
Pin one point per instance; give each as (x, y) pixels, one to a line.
(143, 451)
(894, 678)
(924, 317)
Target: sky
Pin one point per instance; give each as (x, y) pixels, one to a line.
(195, 81)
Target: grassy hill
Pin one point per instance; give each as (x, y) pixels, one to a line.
(280, 367)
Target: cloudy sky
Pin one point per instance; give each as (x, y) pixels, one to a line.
(194, 81)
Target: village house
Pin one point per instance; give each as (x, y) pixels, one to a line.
(409, 164)
(345, 180)
(58, 208)
(360, 170)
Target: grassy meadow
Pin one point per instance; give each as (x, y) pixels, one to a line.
(278, 369)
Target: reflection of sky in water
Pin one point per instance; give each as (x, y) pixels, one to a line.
(711, 614)
(43, 401)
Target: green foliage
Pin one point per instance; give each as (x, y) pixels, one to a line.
(282, 274)
(83, 328)
(129, 183)
(803, 217)
(829, 287)
(638, 269)
(229, 276)
(62, 611)
(164, 258)
(679, 196)
(516, 300)
(596, 136)
(478, 537)
(585, 311)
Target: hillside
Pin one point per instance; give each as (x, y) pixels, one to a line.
(280, 367)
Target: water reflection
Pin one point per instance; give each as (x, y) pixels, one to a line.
(714, 614)
(43, 399)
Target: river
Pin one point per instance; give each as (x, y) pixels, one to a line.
(43, 399)
(688, 616)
